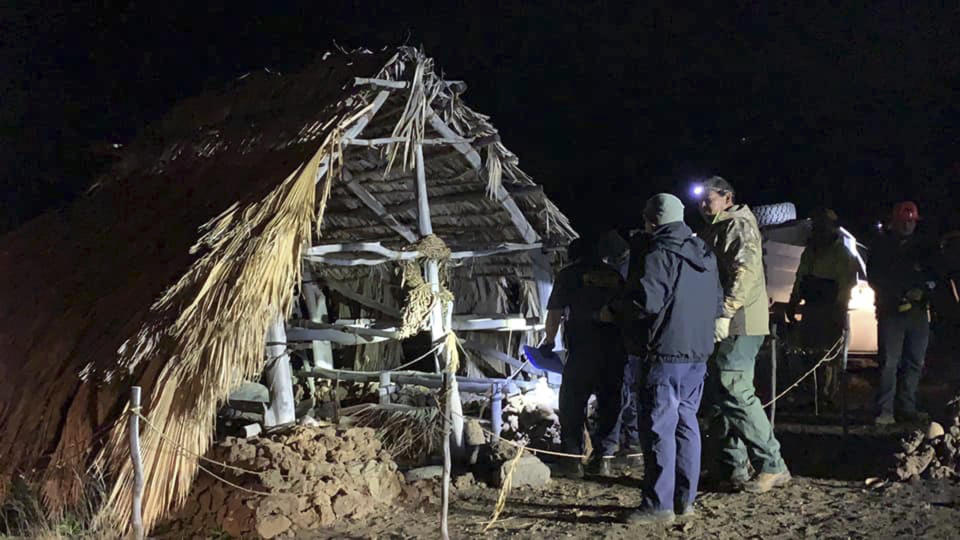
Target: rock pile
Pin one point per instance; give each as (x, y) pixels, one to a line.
(530, 423)
(932, 453)
(314, 475)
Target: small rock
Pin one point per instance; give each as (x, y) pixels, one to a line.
(464, 481)
(423, 473)
(473, 433)
(935, 430)
(529, 471)
(272, 526)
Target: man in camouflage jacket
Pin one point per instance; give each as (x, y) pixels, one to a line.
(736, 414)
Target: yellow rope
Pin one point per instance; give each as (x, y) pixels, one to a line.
(504, 490)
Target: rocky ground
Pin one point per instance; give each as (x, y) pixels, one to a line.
(594, 508)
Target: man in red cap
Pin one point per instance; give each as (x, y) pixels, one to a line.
(899, 271)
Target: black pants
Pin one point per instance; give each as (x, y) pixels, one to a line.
(594, 365)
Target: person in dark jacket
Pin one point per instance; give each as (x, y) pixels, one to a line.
(899, 271)
(680, 294)
(595, 354)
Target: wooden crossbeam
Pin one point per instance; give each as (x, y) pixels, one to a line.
(383, 141)
(383, 83)
(362, 252)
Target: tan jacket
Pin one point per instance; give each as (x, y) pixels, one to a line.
(735, 238)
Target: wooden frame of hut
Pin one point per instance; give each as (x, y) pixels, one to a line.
(179, 269)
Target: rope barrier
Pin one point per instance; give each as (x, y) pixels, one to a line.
(189, 452)
(830, 355)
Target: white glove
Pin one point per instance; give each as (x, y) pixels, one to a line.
(721, 329)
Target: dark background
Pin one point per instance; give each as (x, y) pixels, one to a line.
(604, 103)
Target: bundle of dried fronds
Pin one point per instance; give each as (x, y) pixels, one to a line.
(409, 433)
(246, 276)
(421, 297)
(423, 90)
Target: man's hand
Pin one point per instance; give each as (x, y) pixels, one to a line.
(915, 295)
(546, 347)
(606, 315)
(721, 329)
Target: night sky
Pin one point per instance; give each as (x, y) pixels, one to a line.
(604, 103)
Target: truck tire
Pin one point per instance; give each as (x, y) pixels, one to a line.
(774, 214)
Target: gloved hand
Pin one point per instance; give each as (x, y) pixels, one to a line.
(721, 329)
(914, 294)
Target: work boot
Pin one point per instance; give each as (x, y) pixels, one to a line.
(648, 516)
(687, 512)
(885, 419)
(730, 484)
(569, 468)
(600, 466)
(764, 482)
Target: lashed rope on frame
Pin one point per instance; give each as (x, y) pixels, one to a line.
(421, 298)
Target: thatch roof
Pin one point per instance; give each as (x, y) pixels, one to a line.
(169, 272)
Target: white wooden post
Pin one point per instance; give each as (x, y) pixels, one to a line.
(280, 377)
(134, 426)
(316, 310)
(453, 425)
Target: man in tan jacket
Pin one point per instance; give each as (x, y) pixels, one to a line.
(736, 414)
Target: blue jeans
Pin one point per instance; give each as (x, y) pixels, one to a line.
(902, 340)
(670, 398)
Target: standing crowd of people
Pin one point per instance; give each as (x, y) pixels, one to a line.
(669, 337)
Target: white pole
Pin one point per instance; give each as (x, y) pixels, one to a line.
(134, 424)
(282, 409)
(436, 334)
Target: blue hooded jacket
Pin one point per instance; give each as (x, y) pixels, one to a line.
(680, 293)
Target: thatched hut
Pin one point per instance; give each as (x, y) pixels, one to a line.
(172, 270)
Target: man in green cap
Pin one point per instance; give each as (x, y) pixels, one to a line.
(734, 410)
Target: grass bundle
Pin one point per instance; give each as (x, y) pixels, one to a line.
(410, 434)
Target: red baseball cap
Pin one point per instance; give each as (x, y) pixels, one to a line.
(905, 211)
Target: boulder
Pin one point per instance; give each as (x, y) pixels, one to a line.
(529, 471)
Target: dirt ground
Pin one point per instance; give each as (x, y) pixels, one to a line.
(594, 508)
(828, 498)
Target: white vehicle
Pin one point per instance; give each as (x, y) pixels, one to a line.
(783, 243)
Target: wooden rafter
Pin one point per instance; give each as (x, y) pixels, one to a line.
(356, 128)
(526, 230)
(374, 205)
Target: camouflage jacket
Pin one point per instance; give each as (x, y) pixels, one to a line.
(735, 238)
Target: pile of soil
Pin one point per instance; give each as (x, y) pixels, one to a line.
(934, 452)
(315, 476)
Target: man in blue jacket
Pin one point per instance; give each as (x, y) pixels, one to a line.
(680, 295)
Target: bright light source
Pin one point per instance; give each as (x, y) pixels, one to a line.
(861, 297)
(697, 190)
